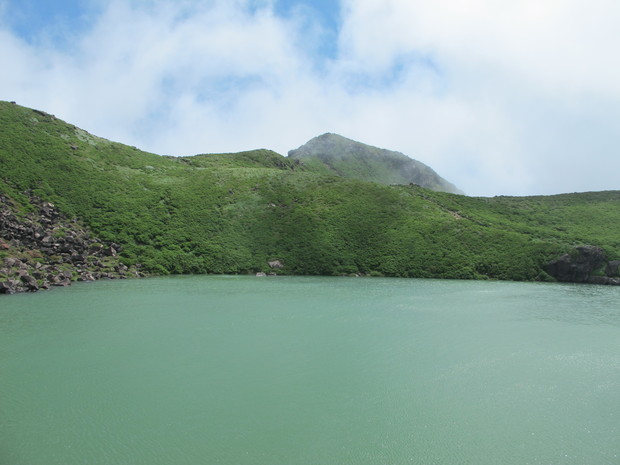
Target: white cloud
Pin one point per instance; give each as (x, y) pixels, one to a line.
(554, 43)
(515, 69)
(498, 97)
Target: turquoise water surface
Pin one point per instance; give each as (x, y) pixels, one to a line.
(245, 370)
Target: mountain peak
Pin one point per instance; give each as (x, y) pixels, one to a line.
(352, 159)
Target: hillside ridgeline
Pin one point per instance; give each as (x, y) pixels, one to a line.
(260, 212)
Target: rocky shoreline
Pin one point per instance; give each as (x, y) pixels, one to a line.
(44, 248)
(585, 264)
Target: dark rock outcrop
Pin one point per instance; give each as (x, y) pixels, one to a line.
(46, 249)
(584, 264)
(613, 269)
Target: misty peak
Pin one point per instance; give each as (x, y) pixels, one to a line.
(352, 159)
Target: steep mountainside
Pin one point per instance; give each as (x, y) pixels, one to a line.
(351, 159)
(261, 212)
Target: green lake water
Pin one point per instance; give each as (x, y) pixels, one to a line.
(317, 371)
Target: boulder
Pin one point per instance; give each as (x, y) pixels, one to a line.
(38, 274)
(30, 282)
(578, 265)
(612, 269)
(47, 207)
(86, 276)
(275, 264)
(7, 288)
(78, 258)
(47, 240)
(109, 252)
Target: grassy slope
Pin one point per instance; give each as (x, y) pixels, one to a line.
(231, 213)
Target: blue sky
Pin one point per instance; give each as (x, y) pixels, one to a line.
(501, 98)
(59, 20)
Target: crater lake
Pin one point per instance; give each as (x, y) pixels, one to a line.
(310, 370)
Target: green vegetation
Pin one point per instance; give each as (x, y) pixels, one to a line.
(232, 213)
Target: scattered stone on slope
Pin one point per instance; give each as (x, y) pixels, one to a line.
(46, 249)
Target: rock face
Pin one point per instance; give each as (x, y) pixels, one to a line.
(44, 249)
(585, 264)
